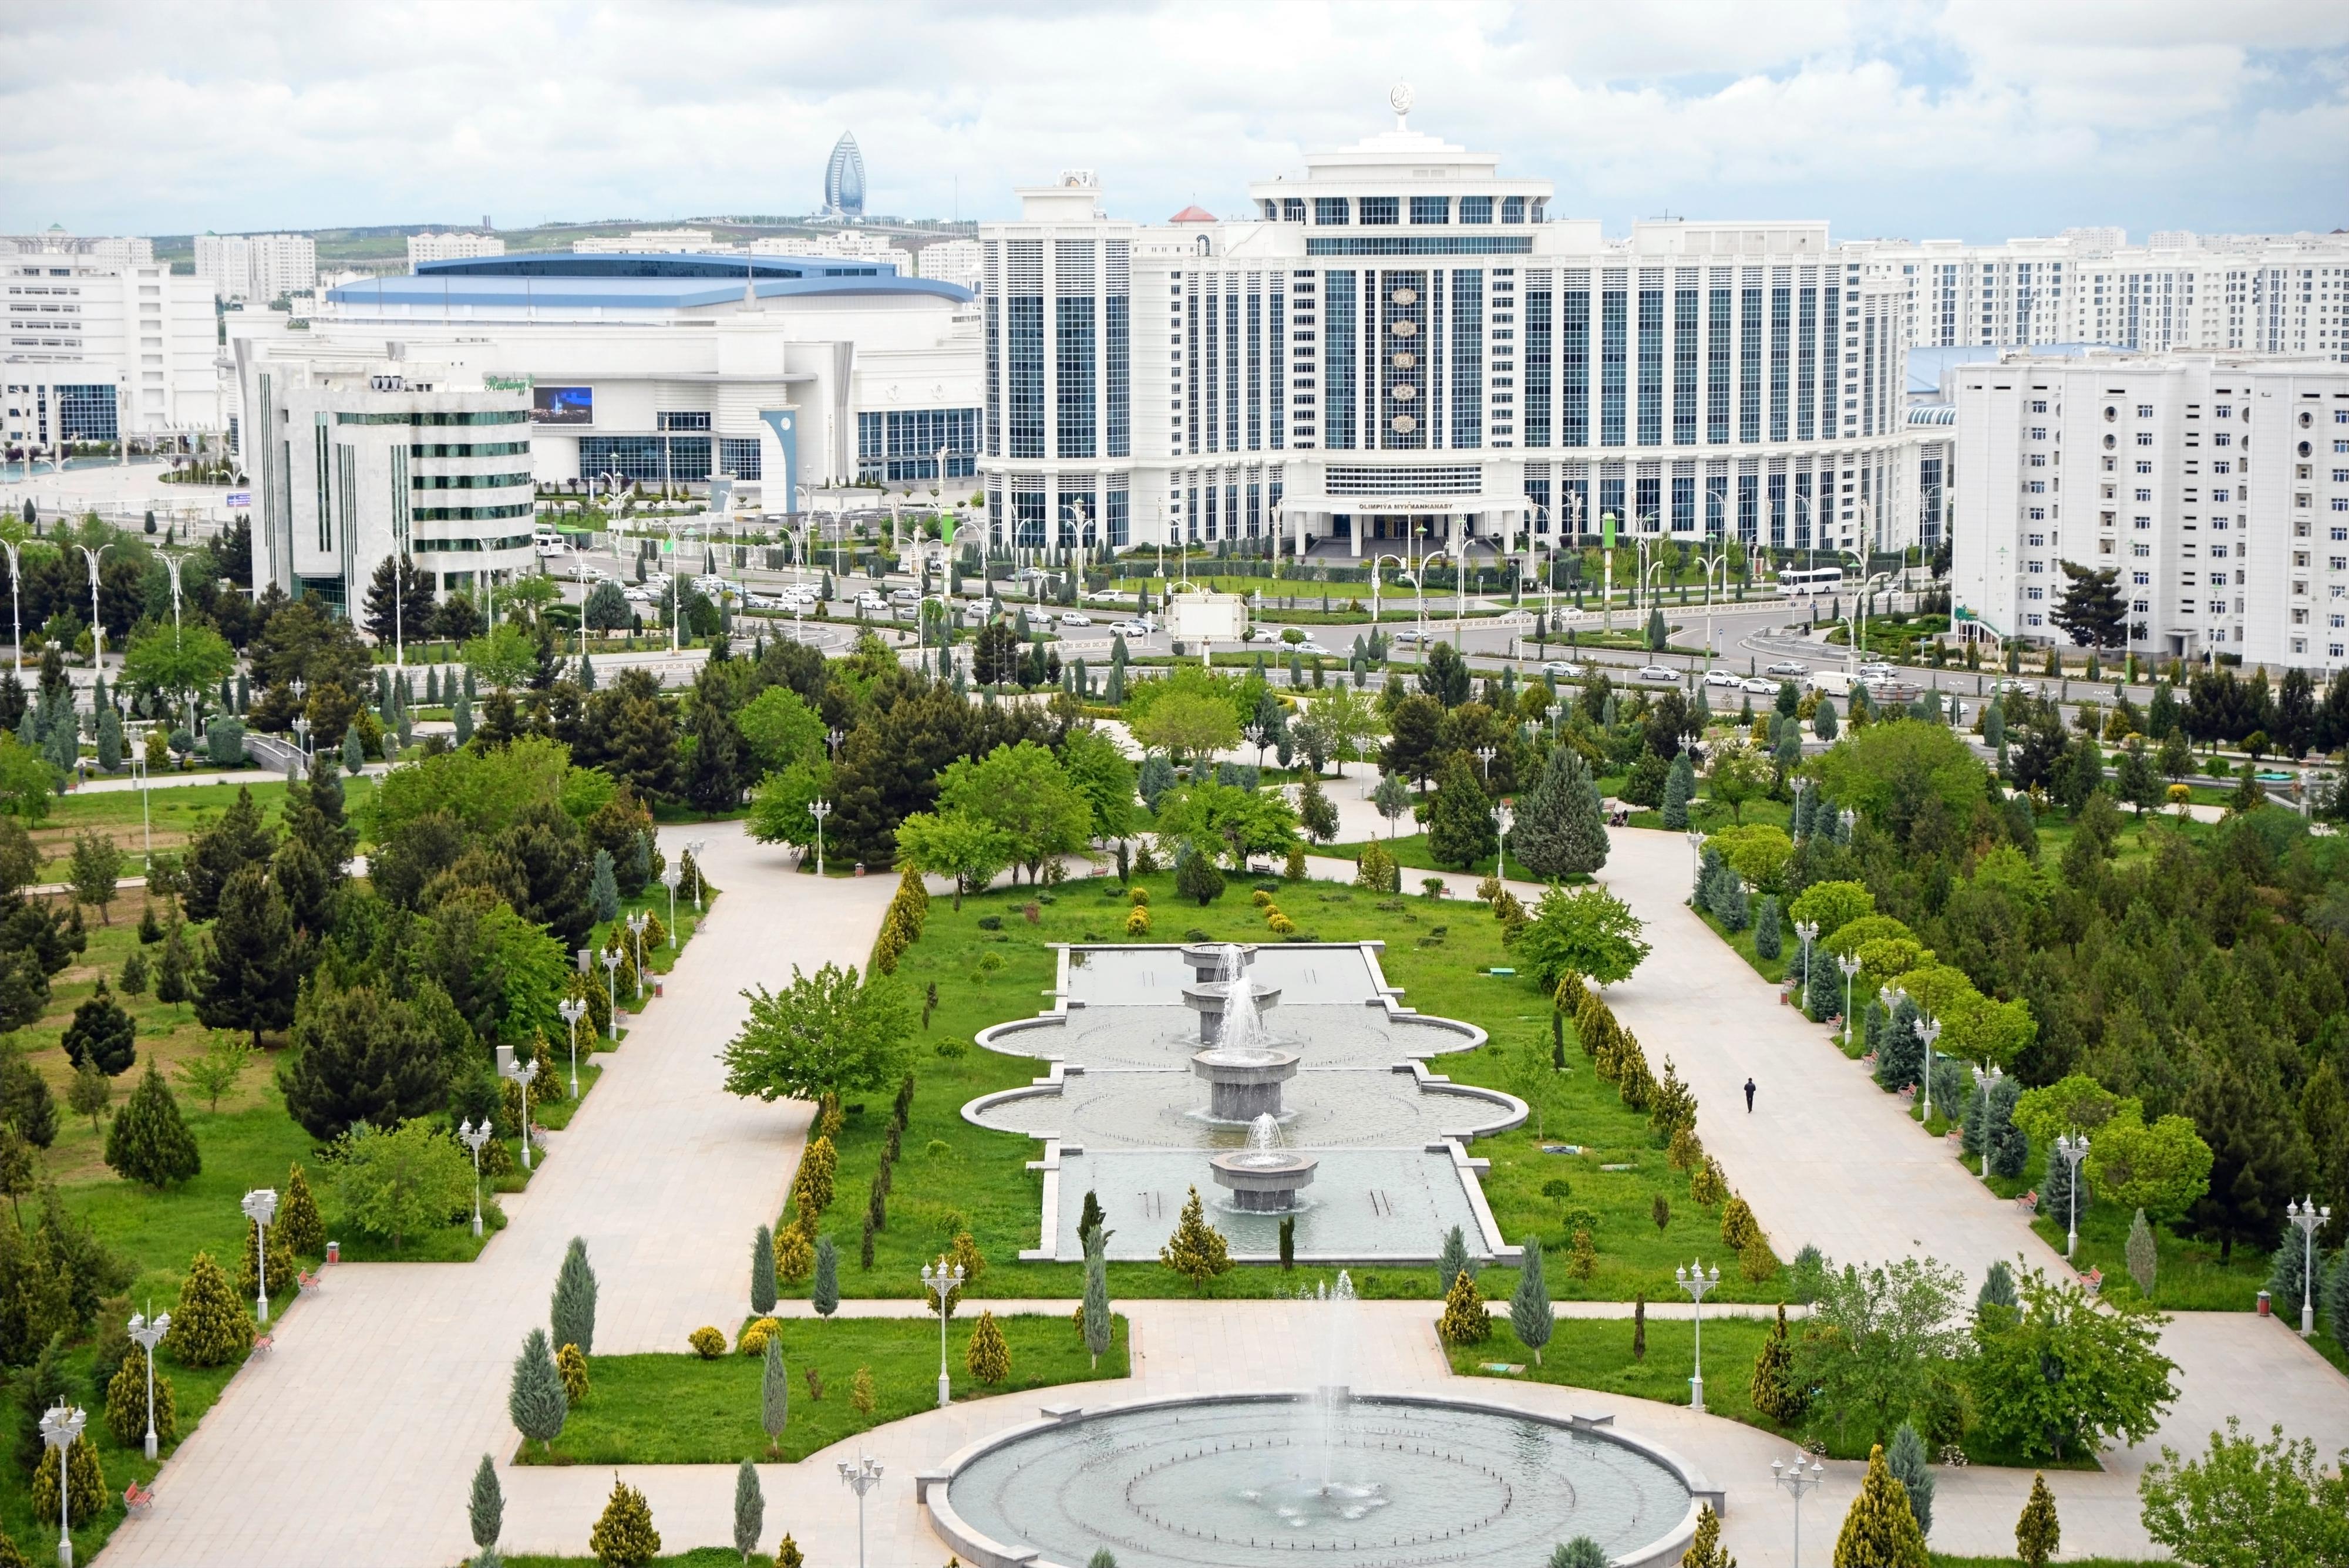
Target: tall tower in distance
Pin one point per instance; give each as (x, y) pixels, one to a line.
(844, 180)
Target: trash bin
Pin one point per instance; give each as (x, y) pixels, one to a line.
(2264, 1310)
(334, 1256)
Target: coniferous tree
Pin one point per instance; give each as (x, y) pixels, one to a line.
(101, 1032)
(1560, 828)
(1776, 1390)
(571, 1315)
(485, 1507)
(1196, 1251)
(1880, 1530)
(2038, 1534)
(1679, 788)
(603, 890)
(762, 1271)
(1529, 1306)
(237, 840)
(535, 1399)
(1460, 827)
(1769, 939)
(212, 1325)
(2257, 1156)
(174, 968)
(625, 1537)
(299, 1224)
(823, 1291)
(988, 1358)
(1706, 1550)
(360, 1057)
(1907, 1462)
(1100, 1327)
(750, 1510)
(27, 1103)
(774, 1395)
(253, 968)
(149, 1142)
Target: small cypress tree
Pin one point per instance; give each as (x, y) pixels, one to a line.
(1454, 1259)
(1768, 941)
(126, 1406)
(535, 1399)
(571, 1315)
(1639, 1326)
(749, 1509)
(1196, 1251)
(1679, 788)
(624, 1537)
(774, 1395)
(1775, 1391)
(1580, 1553)
(1100, 1326)
(604, 889)
(1907, 1462)
(210, 1326)
(2038, 1534)
(149, 1142)
(85, 1490)
(1880, 1532)
(788, 1554)
(354, 750)
(824, 1293)
(1705, 1551)
(988, 1357)
(762, 1271)
(572, 1367)
(485, 1508)
(1465, 1319)
(298, 1225)
(1529, 1308)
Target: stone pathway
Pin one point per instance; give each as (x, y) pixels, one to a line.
(354, 1439)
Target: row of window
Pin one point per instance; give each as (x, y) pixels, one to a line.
(666, 459)
(484, 417)
(899, 445)
(1375, 212)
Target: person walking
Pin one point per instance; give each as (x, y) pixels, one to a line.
(1749, 1097)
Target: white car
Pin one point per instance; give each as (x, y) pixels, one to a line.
(1071, 618)
(1723, 678)
(1759, 687)
(711, 584)
(1131, 629)
(906, 595)
(1566, 670)
(639, 596)
(1409, 639)
(1790, 667)
(868, 599)
(1657, 672)
(1309, 647)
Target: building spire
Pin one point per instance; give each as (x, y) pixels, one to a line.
(1400, 98)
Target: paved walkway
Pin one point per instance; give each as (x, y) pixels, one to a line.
(355, 1440)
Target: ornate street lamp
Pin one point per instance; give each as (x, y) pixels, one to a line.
(942, 1280)
(1807, 931)
(1849, 964)
(611, 989)
(671, 875)
(819, 809)
(861, 1477)
(2074, 1148)
(1986, 1079)
(637, 918)
(573, 1009)
(2310, 1219)
(473, 1137)
(1796, 1481)
(147, 1334)
(1697, 1281)
(694, 848)
(522, 1073)
(59, 1427)
(261, 1207)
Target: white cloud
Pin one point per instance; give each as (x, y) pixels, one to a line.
(1978, 118)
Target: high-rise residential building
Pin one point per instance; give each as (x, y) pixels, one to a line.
(115, 251)
(432, 247)
(959, 262)
(2216, 485)
(1399, 351)
(259, 269)
(2279, 294)
(844, 179)
(97, 348)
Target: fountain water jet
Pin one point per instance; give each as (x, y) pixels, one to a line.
(1263, 1178)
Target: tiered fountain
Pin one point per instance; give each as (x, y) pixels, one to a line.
(1263, 1178)
(1231, 996)
(1243, 1068)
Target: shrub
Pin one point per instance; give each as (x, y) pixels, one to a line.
(755, 1333)
(1737, 1226)
(298, 1225)
(1261, 898)
(1705, 1184)
(1137, 922)
(1582, 1256)
(1198, 878)
(988, 1357)
(1466, 1320)
(794, 1254)
(86, 1491)
(1280, 925)
(1139, 898)
(1755, 1261)
(994, 922)
(570, 1365)
(706, 1341)
(1557, 1186)
(126, 1405)
(210, 1326)
(625, 1537)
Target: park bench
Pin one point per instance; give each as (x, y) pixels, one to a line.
(137, 1500)
(312, 1281)
(2028, 1203)
(262, 1345)
(2093, 1281)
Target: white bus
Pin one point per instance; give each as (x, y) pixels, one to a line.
(1798, 582)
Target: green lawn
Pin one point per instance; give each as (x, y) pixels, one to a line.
(175, 815)
(1939, 1560)
(682, 1410)
(700, 1557)
(952, 1176)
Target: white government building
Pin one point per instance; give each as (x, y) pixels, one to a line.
(2217, 484)
(102, 340)
(783, 373)
(1400, 351)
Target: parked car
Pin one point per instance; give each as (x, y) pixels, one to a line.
(872, 600)
(639, 596)
(1657, 672)
(1723, 678)
(1131, 629)
(906, 595)
(1409, 639)
(1759, 687)
(1072, 617)
(1793, 666)
(1565, 669)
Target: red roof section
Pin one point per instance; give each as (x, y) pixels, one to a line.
(1193, 214)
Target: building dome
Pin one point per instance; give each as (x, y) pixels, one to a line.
(844, 179)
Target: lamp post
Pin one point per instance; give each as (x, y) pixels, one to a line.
(1696, 1281)
(694, 847)
(1796, 1481)
(671, 875)
(819, 809)
(637, 918)
(1929, 1029)
(1484, 755)
(1806, 929)
(1986, 1079)
(1849, 964)
(861, 1477)
(473, 1137)
(15, 604)
(96, 627)
(261, 1207)
(2306, 1215)
(60, 1428)
(611, 989)
(942, 1280)
(573, 1009)
(2074, 1148)
(1696, 849)
(520, 1073)
(147, 1334)
(1501, 816)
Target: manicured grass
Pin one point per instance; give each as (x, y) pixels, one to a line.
(682, 1410)
(2187, 1275)
(1944, 1560)
(1596, 1353)
(953, 1175)
(176, 815)
(700, 1557)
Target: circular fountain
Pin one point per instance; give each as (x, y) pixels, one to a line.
(1219, 1001)
(1217, 960)
(1263, 1178)
(1357, 1480)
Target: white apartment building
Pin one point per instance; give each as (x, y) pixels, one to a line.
(257, 268)
(958, 262)
(359, 454)
(2275, 293)
(94, 250)
(2217, 484)
(1400, 352)
(433, 247)
(657, 241)
(837, 242)
(96, 349)
(780, 373)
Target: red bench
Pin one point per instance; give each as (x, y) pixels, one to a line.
(137, 1500)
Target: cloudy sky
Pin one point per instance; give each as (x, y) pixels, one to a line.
(1978, 120)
